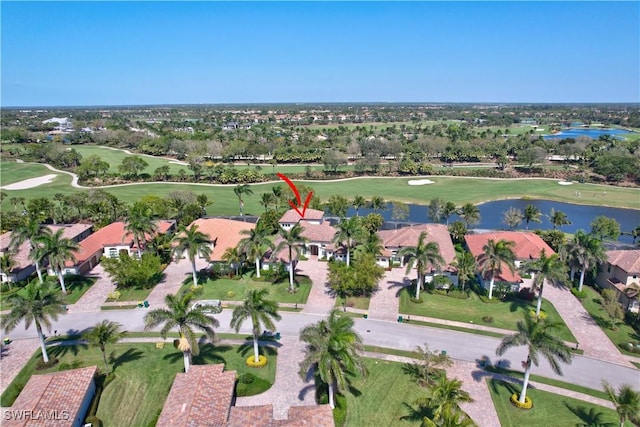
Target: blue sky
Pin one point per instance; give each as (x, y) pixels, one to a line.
(120, 53)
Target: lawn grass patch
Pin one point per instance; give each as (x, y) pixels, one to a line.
(623, 334)
(76, 288)
(361, 303)
(391, 351)
(548, 408)
(13, 172)
(505, 314)
(133, 294)
(227, 289)
(455, 328)
(143, 375)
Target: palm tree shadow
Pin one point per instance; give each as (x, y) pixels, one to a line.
(416, 415)
(62, 348)
(209, 354)
(591, 417)
(130, 355)
(407, 283)
(4, 351)
(266, 347)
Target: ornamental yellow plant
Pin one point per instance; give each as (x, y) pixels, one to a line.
(262, 361)
(528, 404)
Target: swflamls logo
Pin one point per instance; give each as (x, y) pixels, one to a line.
(40, 415)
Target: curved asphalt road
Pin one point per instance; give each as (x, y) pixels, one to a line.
(459, 345)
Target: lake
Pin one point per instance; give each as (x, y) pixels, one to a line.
(491, 215)
(592, 133)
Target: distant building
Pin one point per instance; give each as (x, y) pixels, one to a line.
(622, 273)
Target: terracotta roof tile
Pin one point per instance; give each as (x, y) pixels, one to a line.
(245, 416)
(408, 236)
(627, 260)
(201, 397)
(54, 393)
(226, 233)
(291, 216)
(321, 233)
(305, 416)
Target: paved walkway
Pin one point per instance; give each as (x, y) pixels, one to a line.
(320, 301)
(97, 294)
(13, 358)
(289, 389)
(174, 275)
(385, 303)
(593, 341)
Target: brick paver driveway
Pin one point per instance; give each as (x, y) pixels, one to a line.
(13, 357)
(97, 294)
(385, 303)
(174, 275)
(320, 301)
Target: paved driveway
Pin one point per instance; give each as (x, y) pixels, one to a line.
(385, 303)
(320, 300)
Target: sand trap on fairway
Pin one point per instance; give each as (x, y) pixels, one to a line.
(420, 182)
(178, 162)
(30, 183)
(565, 182)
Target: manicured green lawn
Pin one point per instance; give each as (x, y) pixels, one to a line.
(623, 334)
(143, 375)
(76, 287)
(379, 399)
(361, 303)
(235, 290)
(505, 313)
(15, 172)
(115, 158)
(549, 409)
(133, 294)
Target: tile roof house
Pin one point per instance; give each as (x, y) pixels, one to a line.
(107, 241)
(527, 247)
(223, 233)
(204, 395)
(394, 240)
(622, 273)
(59, 399)
(292, 217)
(24, 266)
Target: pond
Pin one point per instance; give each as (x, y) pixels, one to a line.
(491, 215)
(592, 133)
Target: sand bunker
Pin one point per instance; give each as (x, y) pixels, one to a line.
(30, 183)
(565, 182)
(420, 182)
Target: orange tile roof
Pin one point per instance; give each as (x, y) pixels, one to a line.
(408, 236)
(226, 233)
(112, 234)
(627, 260)
(244, 416)
(200, 397)
(302, 416)
(322, 233)
(52, 394)
(310, 214)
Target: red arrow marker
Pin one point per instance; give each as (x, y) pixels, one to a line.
(297, 194)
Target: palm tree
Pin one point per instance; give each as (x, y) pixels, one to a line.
(7, 263)
(103, 333)
(371, 245)
(260, 310)
(470, 214)
(422, 255)
(512, 217)
(589, 252)
(38, 303)
(59, 249)
(255, 245)
(182, 314)
(531, 214)
(333, 351)
(626, 401)
(546, 268)
(265, 200)
(444, 396)
(377, 203)
(538, 336)
(140, 225)
(448, 209)
(495, 255)
(357, 203)
(194, 243)
(465, 263)
(348, 230)
(277, 194)
(291, 239)
(233, 257)
(239, 190)
(558, 218)
(33, 232)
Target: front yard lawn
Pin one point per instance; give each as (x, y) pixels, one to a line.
(623, 333)
(76, 287)
(143, 375)
(361, 303)
(132, 294)
(549, 409)
(505, 314)
(227, 289)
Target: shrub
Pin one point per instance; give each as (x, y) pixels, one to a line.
(416, 301)
(262, 361)
(543, 315)
(526, 294)
(630, 347)
(259, 385)
(231, 294)
(40, 365)
(579, 294)
(487, 319)
(458, 294)
(340, 412)
(114, 296)
(246, 378)
(485, 299)
(94, 421)
(528, 404)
